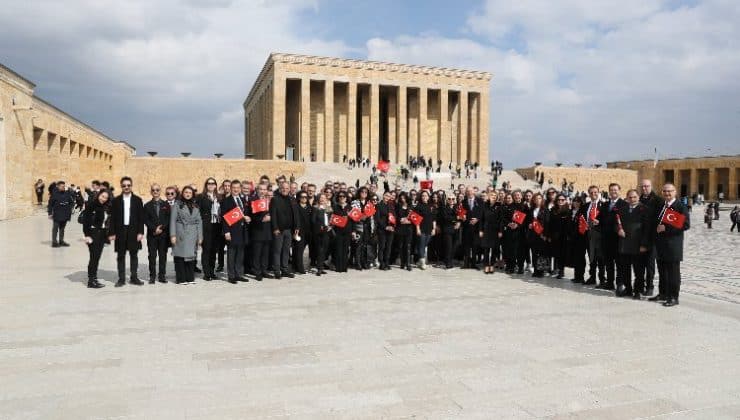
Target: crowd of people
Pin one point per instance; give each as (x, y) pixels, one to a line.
(263, 229)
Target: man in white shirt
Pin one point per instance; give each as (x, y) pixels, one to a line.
(127, 231)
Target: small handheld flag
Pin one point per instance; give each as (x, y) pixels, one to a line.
(338, 221)
(355, 214)
(258, 206)
(233, 216)
(518, 217)
(537, 227)
(673, 218)
(369, 209)
(415, 218)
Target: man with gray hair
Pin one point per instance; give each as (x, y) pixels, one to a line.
(285, 224)
(653, 203)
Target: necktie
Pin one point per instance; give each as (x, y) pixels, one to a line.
(239, 203)
(156, 206)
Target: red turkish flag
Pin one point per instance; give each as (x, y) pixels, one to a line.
(461, 212)
(355, 214)
(233, 216)
(673, 218)
(384, 166)
(391, 219)
(258, 206)
(415, 218)
(426, 184)
(593, 214)
(582, 225)
(537, 227)
(518, 217)
(338, 221)
(369, 209)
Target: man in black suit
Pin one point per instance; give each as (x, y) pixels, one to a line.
(260, 235)
(607, 219)
(470, 236)
(157, 221)
(236, 235)
(669, 248)
(654, 204)
(285, 224)
(595, 252)
(61, 203)
(385, 230)
(633, 231)
(127, 231)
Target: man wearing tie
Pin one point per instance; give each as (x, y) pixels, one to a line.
(595, 253)
(236, 234)
(669, 248)
(608, 221)
(470, 236)
(654, 204)
(127, 231)
(157, 221)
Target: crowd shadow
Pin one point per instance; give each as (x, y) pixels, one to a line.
(104, 276)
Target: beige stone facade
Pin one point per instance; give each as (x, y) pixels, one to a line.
(582, 178)
(694, 175)
(37, 140)
(323, 109)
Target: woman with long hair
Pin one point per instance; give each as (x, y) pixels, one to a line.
(404, 229)
(425, 230)
(361, 231)
(304, 232)
(94, 227)
(208, 204)
(538, 218)
(449, 225)
(489, 229)
(321, 230)
(186, 234)
(557, 233)
(343, 234)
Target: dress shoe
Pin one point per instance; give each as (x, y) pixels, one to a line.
(62, 243)
(244, 279)
(288, 274)
(162, 280)
(151, 281)
(318, 273)
(258, 277)
(671, 302)
(278, 275)
(120, 283)
(197, 270)
(232, 280)
(590, 281)
(220, 269)
(521, 271)
(649, 291)
(636, 296)
(93, 284)
(268, 276)
(657, 298)
(136, 282)
(301, 272)
(54, 245)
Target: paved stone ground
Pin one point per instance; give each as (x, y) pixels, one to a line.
(437, 344)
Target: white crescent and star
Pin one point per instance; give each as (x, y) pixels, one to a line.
(670, 217)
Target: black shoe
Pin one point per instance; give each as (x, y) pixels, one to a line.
(319, 273)
(590, 281)
(120, 283)
(278, 275)
(220, 269)
(658, 298)
(559, 276)
(268, 276)
(197, 270)
(577, 281)
(636, 296)
(521, 271)
(232, 280)
(162, 280)
(243, 278)
(136, 282)
(649, 291)
(288, 274)
(258, 277)
(93, 284)
(670, 302)
(62, 243)
(151, 280)
(54, 245)
(301, 272)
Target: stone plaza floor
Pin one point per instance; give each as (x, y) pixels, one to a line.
(371, 344)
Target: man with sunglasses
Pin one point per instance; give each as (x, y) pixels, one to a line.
(157, 221)
(127, 231)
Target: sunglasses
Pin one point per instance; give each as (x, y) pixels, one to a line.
(155, 189)
(170, 193)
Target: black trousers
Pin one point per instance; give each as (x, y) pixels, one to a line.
(359, 251)
(385, 244)
(235, 261)
(184, 270)
(341, 252)
(157, 248)
(670, 278)
(57, 230)
(211, 234)
(321, 246)
(260, 256)
(124, 236)
(448, 240)
(96, 250)
(611, 257)
(633, 263)
(510, 245)
(648, 264)
(404, 249)
(579, 262)
(299, 247)
(281, 251)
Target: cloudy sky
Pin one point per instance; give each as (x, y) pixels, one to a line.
(574, 80)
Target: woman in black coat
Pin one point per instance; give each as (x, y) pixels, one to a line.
(489, 228)
(343, 234)
(208, 203)
(537, 219)
(321, 230)
(577, 242)
(304, 232)
(449, 225)
(557, 233)
(95, 228)
(404, 230)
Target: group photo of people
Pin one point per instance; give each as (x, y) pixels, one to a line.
(240, 230)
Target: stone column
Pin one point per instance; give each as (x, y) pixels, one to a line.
(474, 127)
(423, 122)
(402, 127)
(278, 119)
(352, 121)
(463, 138)
(694, 182)
(731, 193)
(712, 190)
(483, 129)
(444, 145)
(373, 146)
(329, 139)
(304, 149)
(392, 126)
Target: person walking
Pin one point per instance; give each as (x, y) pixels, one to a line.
(39, 188)
(186, 234)
(94, 227)
(59, 209)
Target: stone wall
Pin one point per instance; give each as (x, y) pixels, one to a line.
(582, 177)
(184, 171)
